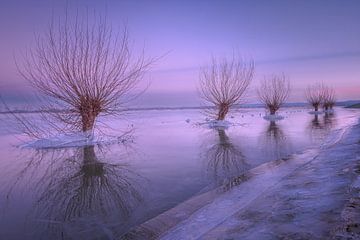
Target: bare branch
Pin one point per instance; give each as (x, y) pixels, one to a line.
(329, 99)
(224, 83)
(315, 95)
(273, 92)
(83, 69)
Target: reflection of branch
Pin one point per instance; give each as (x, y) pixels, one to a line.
(276, 144)
(329, 120)
(225, 160)
(315, 123)
(76, 192)
(320, 128)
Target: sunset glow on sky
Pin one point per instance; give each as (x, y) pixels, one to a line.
(309, 41)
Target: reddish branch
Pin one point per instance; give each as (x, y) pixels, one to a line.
(224, 83)
(315, 95)
(328, 98)
(84, 69)
(273, 92)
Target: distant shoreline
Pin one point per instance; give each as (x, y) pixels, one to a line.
(346, 104)
(357, 105)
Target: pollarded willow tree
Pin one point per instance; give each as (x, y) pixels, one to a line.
(84, 68)
(315, 95)
(329, 99)
(273, 92)
(224, 82)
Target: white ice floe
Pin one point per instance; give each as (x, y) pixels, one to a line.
(219, 124)
(273, 117)
(356, 183)
(316, 112)
(329, 111)
(76, 140)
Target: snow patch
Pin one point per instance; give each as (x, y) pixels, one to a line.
(356, 183)
(273, 117)
(219, 124)
(76, 140)
(316, 112)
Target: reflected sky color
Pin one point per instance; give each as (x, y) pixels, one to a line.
(120, 186)
(307, 40)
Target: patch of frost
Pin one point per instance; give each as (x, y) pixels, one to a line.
(219, 124)
(329, 111)
(273, 117)
(316, 112)
(76, 140)
(356, 183)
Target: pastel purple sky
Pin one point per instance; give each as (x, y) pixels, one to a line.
(309, 41)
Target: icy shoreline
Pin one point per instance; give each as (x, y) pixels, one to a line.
(209, 215)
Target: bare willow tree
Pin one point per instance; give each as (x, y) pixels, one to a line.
(273, 92)
(224, 83)
(83, 68)
(329, 99)
(315, 95)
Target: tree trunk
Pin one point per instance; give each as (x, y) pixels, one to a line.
(272, 111)
(316, 108)
(89, 110)
(223, 110)
(88, 121)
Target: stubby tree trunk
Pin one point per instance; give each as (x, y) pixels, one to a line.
(272, 110)
(223, 110)
(89, 110)
(88, 121)
(316, 107)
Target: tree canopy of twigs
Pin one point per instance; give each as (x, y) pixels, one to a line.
(329, 99)
(315, 95)
(83, 68)
(273, 92)
(224, 82)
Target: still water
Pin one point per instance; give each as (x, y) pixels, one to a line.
(101, 192)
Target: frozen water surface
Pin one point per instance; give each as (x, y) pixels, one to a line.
(104, 191)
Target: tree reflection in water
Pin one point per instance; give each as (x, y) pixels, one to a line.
(320, 127)
(79, 196)
(329, 120)
(225, 161)
(275, 143)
